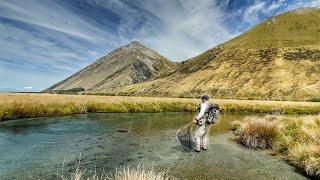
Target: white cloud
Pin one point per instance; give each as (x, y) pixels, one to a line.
(251, 13)
(274, 6)
(187, 30)
(184, 28)
(27, 87)
(32, 50)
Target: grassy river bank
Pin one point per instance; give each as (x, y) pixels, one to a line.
(297, 139)
(20, 105)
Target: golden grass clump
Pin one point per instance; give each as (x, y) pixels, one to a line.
(296, 138)
(257, 133)
(139, 173)
(306, 157)
(125, 173)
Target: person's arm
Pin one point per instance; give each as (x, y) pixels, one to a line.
(202, 111)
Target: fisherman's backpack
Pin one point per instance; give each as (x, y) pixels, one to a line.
(213, 113)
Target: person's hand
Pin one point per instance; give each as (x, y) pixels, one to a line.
(195, 121)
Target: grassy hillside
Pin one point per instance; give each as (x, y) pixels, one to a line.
(278, 59)
(292, 29)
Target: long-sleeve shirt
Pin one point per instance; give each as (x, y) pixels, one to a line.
(203, 109)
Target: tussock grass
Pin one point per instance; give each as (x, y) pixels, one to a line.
(257, 133)
(20, 105)
(296, 138)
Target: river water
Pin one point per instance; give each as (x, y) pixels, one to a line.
(43, 148)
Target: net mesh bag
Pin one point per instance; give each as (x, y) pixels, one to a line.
(185, 137)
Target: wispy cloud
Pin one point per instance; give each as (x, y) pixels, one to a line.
(52, 16)
(187, 30)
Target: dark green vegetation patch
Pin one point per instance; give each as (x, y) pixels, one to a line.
(302, 54)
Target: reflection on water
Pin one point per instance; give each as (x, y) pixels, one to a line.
(33, 149)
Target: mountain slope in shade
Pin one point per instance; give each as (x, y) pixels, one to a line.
(126, 65)
(278, 59)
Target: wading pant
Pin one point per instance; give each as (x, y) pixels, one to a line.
(201, 136)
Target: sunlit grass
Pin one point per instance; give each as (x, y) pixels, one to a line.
(19, 105)
(124, 173)
(296, 138)
(15, 106)
(139, 173)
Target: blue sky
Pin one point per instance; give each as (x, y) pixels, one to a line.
(45, 41)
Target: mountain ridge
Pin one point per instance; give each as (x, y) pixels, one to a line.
(131, 63)
(279, 59)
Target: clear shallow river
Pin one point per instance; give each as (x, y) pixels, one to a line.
(37, 148)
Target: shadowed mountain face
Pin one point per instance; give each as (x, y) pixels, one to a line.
(126, 65)
(278, 59)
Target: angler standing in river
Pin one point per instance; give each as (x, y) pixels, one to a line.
(207, 115)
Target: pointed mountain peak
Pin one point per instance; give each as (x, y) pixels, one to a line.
(134, 44)
(129, 64)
